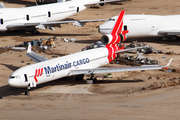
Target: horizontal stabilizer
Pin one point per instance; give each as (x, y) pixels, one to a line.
(131, 49)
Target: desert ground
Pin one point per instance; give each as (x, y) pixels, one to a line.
(142, 95)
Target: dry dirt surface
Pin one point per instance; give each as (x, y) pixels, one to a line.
(139, 95)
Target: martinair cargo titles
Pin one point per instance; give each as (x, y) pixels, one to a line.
(146, 25)
(44, 16)
(82, 63)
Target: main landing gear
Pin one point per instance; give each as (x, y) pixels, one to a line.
(79, 77)
(94, 79)
(34, 31)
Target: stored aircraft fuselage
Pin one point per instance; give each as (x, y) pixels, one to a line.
(35, 16)
(145, 25)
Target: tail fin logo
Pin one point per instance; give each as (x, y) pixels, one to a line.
(119, 24)
(38, 73)
(117, 34)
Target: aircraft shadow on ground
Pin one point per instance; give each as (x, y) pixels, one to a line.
(11, 67)
(22, 2)
(155, 40)
(118, 81)
(6, 90)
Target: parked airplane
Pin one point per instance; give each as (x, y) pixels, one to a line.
(82, 63)
(146, 25)
(43, 16)
(40, 2)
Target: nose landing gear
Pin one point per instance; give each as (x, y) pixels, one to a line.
(27, 90)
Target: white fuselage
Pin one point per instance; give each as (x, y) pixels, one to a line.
(59, 67)
(144, 25)
(11, 18)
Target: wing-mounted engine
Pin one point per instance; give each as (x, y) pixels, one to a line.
(102, 4)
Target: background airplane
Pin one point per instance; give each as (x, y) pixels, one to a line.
(103, 2)
(146, 25)
(82, 63)
(43, 16)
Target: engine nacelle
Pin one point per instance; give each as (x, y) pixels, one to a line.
(102, 4)
(112, 39)
(41, 2)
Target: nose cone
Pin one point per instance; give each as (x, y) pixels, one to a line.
(13, 82)
(105, 28)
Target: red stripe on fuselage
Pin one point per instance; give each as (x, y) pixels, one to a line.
(35, 75)
(38, 73)
(41, 71)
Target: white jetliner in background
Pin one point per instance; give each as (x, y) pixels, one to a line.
(81, 63)
(146, 25)
(43, 16)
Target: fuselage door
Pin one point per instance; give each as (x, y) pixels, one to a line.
(27, 17)
(25, 76)
(49, 14)
(77, 9)
(125, 27)
(2, 22)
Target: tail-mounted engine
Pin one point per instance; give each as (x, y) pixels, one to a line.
(114, 39)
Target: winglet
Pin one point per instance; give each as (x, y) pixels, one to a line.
(169, 63)
(29, 47)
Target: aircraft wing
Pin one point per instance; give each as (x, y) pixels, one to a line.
(2, 5)
(130, 49)
(35, 57)
(44, 25)
(169, 32)
(105, 2)
(116, 69)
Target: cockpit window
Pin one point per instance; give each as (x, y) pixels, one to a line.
(111, 19)
(12, 77)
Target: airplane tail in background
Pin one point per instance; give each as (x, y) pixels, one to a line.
(117, 34)
(119, 23)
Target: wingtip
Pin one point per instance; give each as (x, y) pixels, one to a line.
(29, 47)
(169, 63)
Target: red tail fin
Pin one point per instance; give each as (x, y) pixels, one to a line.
(119, 23)
(117, 35)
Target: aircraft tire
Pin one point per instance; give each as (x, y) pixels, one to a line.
(27, 93)
(79, 77)
(95, 80)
